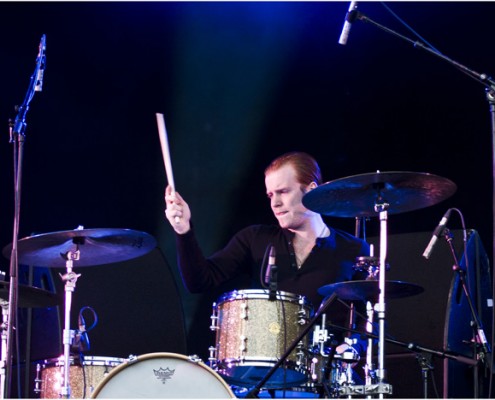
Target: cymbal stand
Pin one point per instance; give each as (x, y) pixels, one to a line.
(380, 387)
(368, 368)
(4, 327)
(70, 279)
(381, 207)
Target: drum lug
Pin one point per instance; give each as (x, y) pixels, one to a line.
(300, 355)
(37, 381)
(242, 347)
(214, 318)
(212, 360)
(244, 311)
(302, 314)
(303, 319)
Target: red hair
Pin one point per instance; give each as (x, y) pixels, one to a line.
(307, 169)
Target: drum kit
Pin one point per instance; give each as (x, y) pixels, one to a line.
(253, 332)
(280, 343)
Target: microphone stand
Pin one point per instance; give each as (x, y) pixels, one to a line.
(482, 78)
(253, 393)
(17, 137)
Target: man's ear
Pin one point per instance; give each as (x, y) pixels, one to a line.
(313, 185)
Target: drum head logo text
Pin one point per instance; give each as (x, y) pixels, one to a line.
(164, 374)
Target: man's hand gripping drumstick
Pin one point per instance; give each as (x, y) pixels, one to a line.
(177, 210)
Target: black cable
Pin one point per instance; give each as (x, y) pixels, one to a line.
(409, 27)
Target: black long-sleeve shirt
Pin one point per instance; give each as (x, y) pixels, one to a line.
(330, 261)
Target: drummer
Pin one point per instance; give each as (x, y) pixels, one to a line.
(309, 254)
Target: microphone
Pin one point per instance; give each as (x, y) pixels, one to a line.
(38, 86)
(272, 278)
(270, 265)
(350, 17)
(436, 234)
(81, 340)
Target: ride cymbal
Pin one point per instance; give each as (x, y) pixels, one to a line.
(356, 196)
(96, 246)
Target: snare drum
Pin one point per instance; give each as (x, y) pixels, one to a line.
(253, 332)
(84, 375)
(163, 375)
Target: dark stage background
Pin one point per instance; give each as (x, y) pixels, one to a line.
(239, 83)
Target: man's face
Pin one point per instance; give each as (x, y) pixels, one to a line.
(285, 194)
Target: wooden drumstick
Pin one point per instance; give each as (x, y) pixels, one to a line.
(162, 132)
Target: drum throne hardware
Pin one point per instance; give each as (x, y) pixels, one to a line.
(86, 247)
(369, 195)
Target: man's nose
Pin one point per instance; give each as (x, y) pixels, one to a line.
(276, 201)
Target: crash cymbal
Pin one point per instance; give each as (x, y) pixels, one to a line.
(369, 290)
(96, 246)
(30, 296)
(356, 196)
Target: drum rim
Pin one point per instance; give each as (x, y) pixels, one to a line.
(246, 294)
(272, 383)
(58, 361)
(132, 360)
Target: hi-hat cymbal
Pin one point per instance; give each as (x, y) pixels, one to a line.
(30, 296)
(356, 196)
(96, 246)
(369, 290)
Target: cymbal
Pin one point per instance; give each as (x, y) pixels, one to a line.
(369, 290)
(356, 196)
(96, 246)
(30, 296)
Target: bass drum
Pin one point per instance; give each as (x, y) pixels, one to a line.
(163, 375)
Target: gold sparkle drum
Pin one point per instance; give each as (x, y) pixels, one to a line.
(84, 375)
(163, 375)
(254, 331)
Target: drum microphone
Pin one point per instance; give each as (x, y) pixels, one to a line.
(350, 17)
(270, 265)
(38, 86)
(271, 274)
(436, 234)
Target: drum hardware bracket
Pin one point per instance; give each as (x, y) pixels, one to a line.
(132, 359)
(379, 388)
(194, 358)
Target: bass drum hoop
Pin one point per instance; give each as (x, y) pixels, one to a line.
(178, 357)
